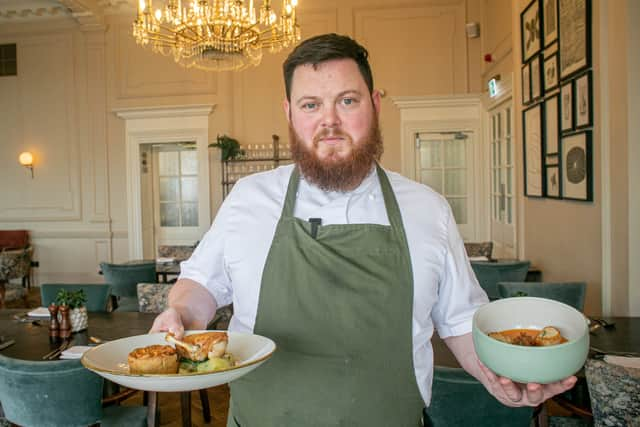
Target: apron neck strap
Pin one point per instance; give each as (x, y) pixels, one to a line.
(390, 202)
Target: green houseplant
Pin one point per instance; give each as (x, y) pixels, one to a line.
(75, 300)
(230, 147)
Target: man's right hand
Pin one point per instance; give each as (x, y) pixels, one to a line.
(169, 321)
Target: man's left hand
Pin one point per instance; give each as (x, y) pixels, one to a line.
(515, 394)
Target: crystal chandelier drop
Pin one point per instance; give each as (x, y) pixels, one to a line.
(216, 35)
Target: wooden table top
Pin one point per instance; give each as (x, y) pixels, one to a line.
(32, 337)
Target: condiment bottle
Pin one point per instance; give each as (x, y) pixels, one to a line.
(65, 322)
(54, 325)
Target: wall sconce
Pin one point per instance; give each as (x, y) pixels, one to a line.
(26, 160)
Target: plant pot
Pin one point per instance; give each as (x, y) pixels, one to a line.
(79, 319)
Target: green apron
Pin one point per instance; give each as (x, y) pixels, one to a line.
(338, 302)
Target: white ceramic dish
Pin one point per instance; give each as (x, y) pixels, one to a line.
(109, 360)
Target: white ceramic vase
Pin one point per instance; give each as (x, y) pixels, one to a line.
(79, 319)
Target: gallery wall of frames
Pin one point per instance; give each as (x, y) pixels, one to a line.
(557, 98)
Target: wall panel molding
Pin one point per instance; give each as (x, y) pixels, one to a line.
(141, 73)
(49, 124)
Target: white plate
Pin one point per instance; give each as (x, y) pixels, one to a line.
(109, 360)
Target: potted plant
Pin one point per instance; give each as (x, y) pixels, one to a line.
(230, 147)
(75, 300)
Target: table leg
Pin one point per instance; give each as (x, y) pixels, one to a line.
(153, 411)
(185, 403)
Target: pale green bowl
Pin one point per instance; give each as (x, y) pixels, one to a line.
(531, 364)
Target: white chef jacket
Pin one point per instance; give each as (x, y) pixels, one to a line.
(231, 256)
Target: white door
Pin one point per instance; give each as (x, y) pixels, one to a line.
(175, 190)
(503, 215)
(445, 162)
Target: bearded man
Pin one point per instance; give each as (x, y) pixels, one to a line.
(346, 266)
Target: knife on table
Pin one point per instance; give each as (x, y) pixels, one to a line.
(7, 344)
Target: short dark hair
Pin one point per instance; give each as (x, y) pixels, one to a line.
(323, 48)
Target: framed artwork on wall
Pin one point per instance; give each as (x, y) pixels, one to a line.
(526, 85)
(550, 74)
(583, 105)
(553, 183)
(536, 81)
(530, 30)
(532, 148)
(549, 21)
(552, 124)
(574, 17)
(566, 106)
(577, 173)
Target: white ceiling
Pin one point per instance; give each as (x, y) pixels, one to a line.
(85, 12)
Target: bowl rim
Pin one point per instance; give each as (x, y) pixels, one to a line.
(479, 311)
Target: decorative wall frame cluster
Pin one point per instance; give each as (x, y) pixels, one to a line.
(557, 92)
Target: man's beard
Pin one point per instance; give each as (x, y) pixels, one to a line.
(335, 173)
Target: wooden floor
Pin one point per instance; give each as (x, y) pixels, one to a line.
(170, 413)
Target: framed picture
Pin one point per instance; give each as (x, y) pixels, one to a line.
(553, 181)
(577, 173)
(574, 17)
(549, 21)
(530, 30)
(552, 124)
(566, 106)
(526, 85)
(550, 73)
(536, 81)
(583, 101)
(532, 140)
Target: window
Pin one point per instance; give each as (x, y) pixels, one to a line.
(502, 167)
(443, 164)
(8, 60)
(178, 187)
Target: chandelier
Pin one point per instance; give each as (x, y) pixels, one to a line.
(216, 35)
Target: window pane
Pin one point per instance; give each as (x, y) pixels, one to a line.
(509, 213)
(169, 216)
(433, 179)
(189, 214)
(495, 180)
(168, 189)
(454, 153)
(189, 189)
(499, 151)
(430, 154)
(508, 172)
(189, 162)
(455, 182)
(168, 163)
(499, 126)
(507, 116)
(459, 208)
(495, 154)
(508, 143)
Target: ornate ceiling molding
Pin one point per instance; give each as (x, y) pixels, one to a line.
(87, 13)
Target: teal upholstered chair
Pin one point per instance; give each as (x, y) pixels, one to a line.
(59, 393)
(458, 399)
(124, 279)
(570, 293)
(490, 273)
(97, 294)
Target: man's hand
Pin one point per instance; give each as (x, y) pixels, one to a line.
(516, 394)
(191, 306)
(506, 391)
(169, 321)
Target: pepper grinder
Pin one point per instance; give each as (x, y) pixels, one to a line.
(65, 322)
(54, 325)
